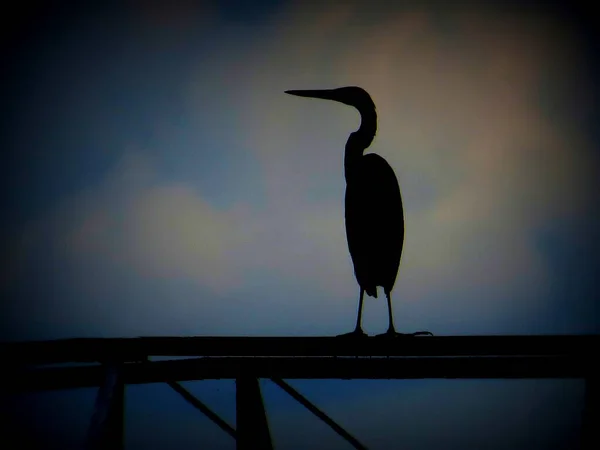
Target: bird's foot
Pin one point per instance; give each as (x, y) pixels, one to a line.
(422, 333)
(354, 334)
(391, 333)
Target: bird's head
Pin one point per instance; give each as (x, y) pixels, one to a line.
(349, 95)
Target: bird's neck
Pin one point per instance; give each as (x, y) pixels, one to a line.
(358, 142)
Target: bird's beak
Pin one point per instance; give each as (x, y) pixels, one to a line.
(326, 94)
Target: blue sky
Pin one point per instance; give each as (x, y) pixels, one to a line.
(156, 180)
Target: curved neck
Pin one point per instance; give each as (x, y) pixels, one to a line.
(359, 141)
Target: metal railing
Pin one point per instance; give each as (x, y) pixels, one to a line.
(119, 362)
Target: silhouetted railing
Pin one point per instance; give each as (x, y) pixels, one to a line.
(117, 362)
(135, 349)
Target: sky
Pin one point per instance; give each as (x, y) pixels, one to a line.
(156, 180)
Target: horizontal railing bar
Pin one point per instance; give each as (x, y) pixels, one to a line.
(135, 349)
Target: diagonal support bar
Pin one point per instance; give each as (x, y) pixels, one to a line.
(187, 395)
(106, 427)
(252, 426)
(317, 412)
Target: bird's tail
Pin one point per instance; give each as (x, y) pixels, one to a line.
(372, 291)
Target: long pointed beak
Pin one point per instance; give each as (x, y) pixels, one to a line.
(326, 94)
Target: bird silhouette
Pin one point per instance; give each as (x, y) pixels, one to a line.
(374, 213)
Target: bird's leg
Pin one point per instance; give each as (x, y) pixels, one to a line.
(391, 331)
(358, 330)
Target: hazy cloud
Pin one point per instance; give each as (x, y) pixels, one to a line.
(462, 119)
(481, 164)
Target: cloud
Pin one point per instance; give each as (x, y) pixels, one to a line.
(157, 229)
(176, 20)
(167, 230)
(482, 165)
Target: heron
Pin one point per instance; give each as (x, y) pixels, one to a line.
(374, 214)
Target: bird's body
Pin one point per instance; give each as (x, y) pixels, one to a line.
(374, 224)
(373, 204)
